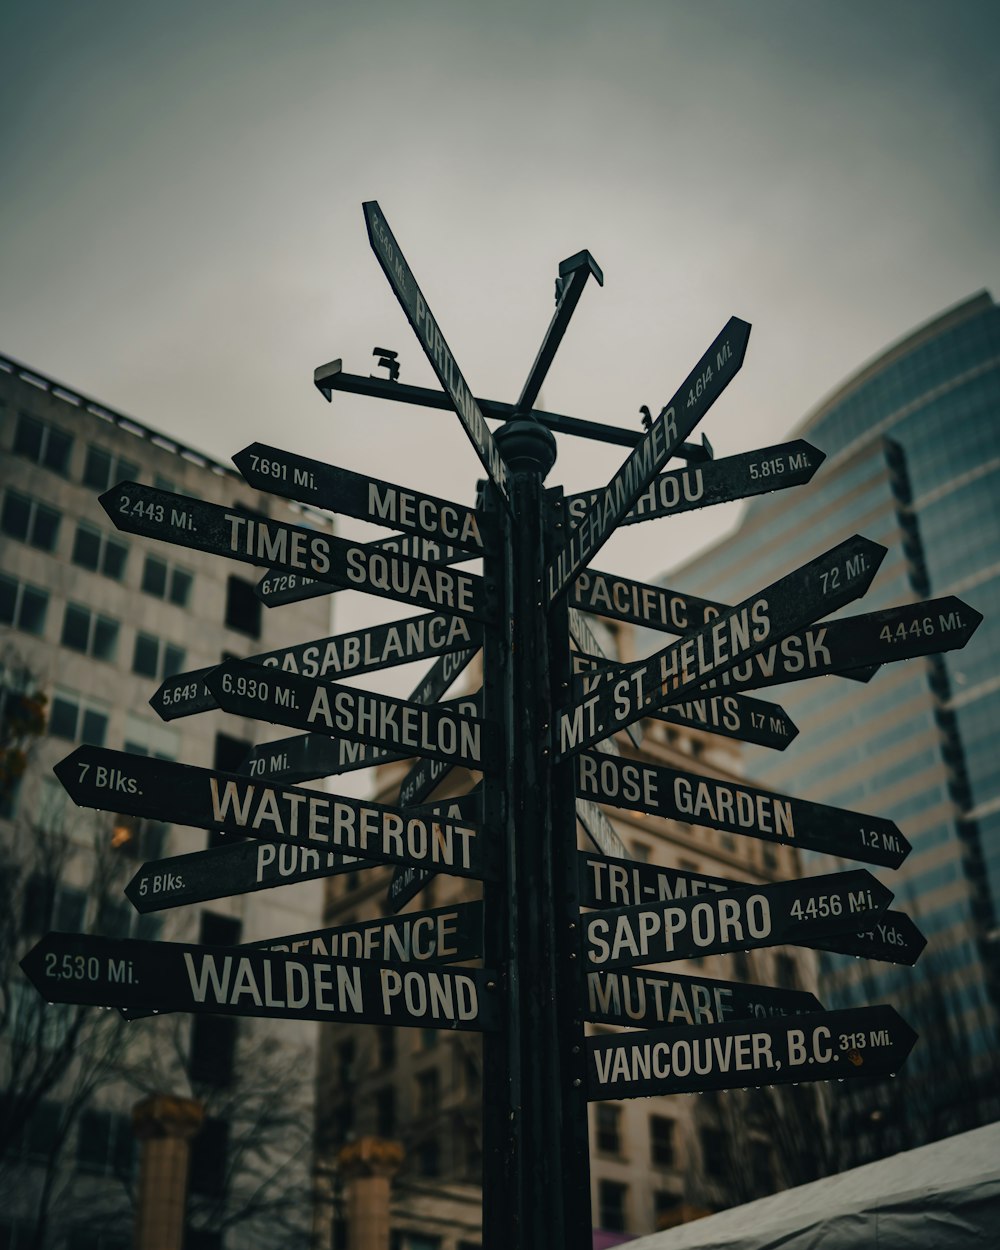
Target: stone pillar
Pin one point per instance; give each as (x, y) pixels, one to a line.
(165, 1126)
(368, 1166)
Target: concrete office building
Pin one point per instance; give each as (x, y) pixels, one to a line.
(654, 1162)
(913, 461)
(93, 619)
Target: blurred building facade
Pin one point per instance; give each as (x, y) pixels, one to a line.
(93, 619)
(654, 1162)
(913, 461)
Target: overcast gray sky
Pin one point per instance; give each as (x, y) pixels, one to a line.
(181, 233)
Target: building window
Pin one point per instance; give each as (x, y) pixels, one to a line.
(105, 1144)
(713, 1152)
(640, 852)
(386, 1047)
(42, 443)
(137, 838)
(428, 1039)
(609, 1122)
(208, 1159)
(243, 608)
(666, 1209)
(79, 719)
(429, 1157)
(23, 606)
(39, 1138)
(611, 1203)
(346, 1055)
(661, 1140)
(102, 469)
(786, 974)
(166, 581)
(89, 633)
(385, 1112)
(150, 738)
(428, 1091)
(213, 1049)
(49, 904)
(29, 521)
(99, 552)
(153, 657)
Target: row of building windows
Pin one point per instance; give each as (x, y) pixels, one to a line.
(30, 521)
(50, 446)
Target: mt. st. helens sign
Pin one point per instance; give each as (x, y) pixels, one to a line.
(383, 503)
(175, 976)
(699, 391)
(431, 339)
(822, 585)
(191, 523)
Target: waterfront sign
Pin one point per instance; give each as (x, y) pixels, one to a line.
(140, 785)
(178, 976)
(824, 1046)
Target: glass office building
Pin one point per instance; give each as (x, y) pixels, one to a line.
(913, 461)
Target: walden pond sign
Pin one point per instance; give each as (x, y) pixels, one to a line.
(563, 937)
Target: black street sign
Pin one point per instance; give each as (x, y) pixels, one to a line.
(622, 882)
(442, 935)
(299, 552)
(600, 830)
(893, 938)
(590, 650)
(305, 757)
(325, 486)
(669, 1000)
(236, 868)
(823, 1046)
(427, 774)
(204, 798)
(734, 716)
(680, 415)
(425, 327)
(397, 725)
(817, 588)
(178, 976)
(739, 808)
(573, 275)
(343, 655)
(407, 880)
(730, 920)
(656, 607)
(277, 588)
(715, 481)
(853, 646)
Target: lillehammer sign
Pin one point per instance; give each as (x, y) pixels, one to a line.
(543, 733)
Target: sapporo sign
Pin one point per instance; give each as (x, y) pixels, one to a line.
(559, 937)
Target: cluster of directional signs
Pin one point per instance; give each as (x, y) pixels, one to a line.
(681, 1032)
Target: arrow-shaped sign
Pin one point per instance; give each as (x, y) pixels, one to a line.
(623, 882)
(431, 339)
(427, 774)
(641, 997)
(311, 481)
(298, 551)
(407, 882)
(715, 481)
(699, 391)
(817, 588)
(740, 919)
(734, 716)
(178, 976)
(140, 785)
(739, 808)
(396, 725)
(858, 1042)
(306, 757)
(343, 655)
